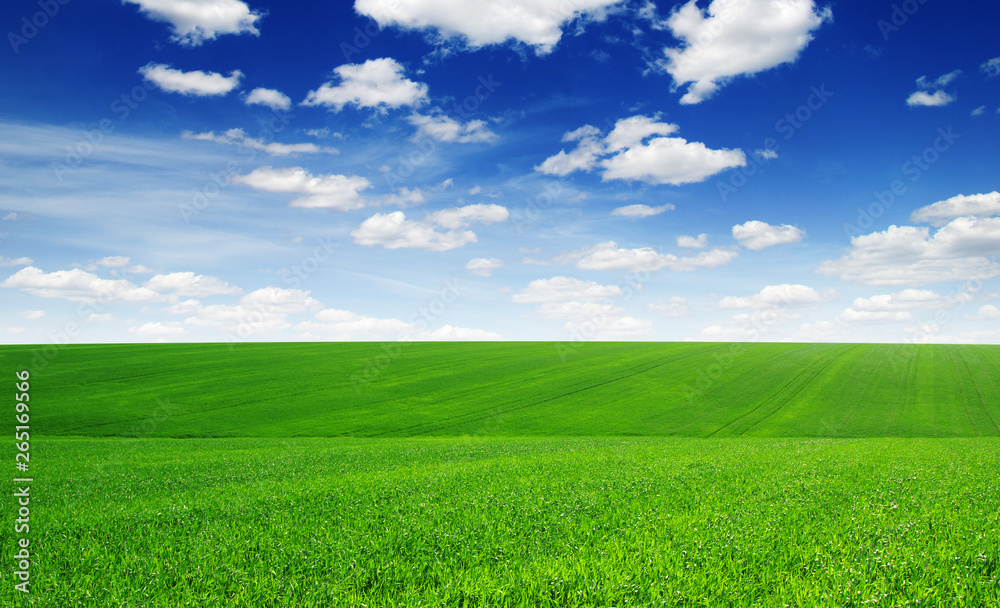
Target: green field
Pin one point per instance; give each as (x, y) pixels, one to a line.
(511, 474)
(516, 389)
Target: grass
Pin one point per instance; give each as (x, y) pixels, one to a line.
(516, 522)
(526, 474)
(517, 389)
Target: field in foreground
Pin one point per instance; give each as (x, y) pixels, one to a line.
(514, 522)
(513, 389)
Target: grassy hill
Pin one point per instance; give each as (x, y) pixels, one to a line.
(534, 388)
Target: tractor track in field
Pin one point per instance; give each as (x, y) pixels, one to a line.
(486, 413)
(965, 403)
(979, 395)
(823, 362)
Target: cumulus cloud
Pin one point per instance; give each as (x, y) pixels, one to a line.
(911, 255)
(261, 311)
(930, 93)
(333, 324)
(671, 307)
(987, 312)
(562, 288)
(198, 83)
(445, 129)
(274, 99)
(991, 67)
(942, 212)
(33, 315)
(376, 83)
(638, 149)
(158, 330)
(483, 267)
(909, 300)
(335, 192)
(238, 137)
(394, 231)
(195, 21)
(852, 315)
(923, 98)
(690, 242)
(608, 256)
(758, 235)
(190, 285)
(785, 295)
(78, 285)
(641, 210)
(22, 261)
(537, 23)
(736, 37)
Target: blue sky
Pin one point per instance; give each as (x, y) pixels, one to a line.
(775, 170)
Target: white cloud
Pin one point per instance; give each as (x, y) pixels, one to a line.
(991, 67)
(940, 213)
(22, 261)
(477, 23)
(735, 37)
(445, 129)
(758, 235)
(483, 267)
(461, 217)
(766, 154)
(195, 21)
(404, 197)
(908, 299)
(77, 285)
(987, 312)
(923, 98)
(641, 210)
(578, 311)
(850, 315)
(562, 288)
(671, 307)
(336, 192)
(978, 111)
(910, 255)
(660, 160)
(261, 311)
(274, 99)
(394, 231)
(190, 83)
(32, 315)
(158, 330)
(238, 137)
(940, 81)
(190, 285)
(609, 328)
(113, 261)
(376, 83)
(690, 242)
(457, 334)
(608, 256)
(785, 295)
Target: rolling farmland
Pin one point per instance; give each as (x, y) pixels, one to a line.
(513, 474)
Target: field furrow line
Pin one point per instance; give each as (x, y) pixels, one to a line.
(812, 376)
(958, 385)
(979, 395)
(769, 399)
